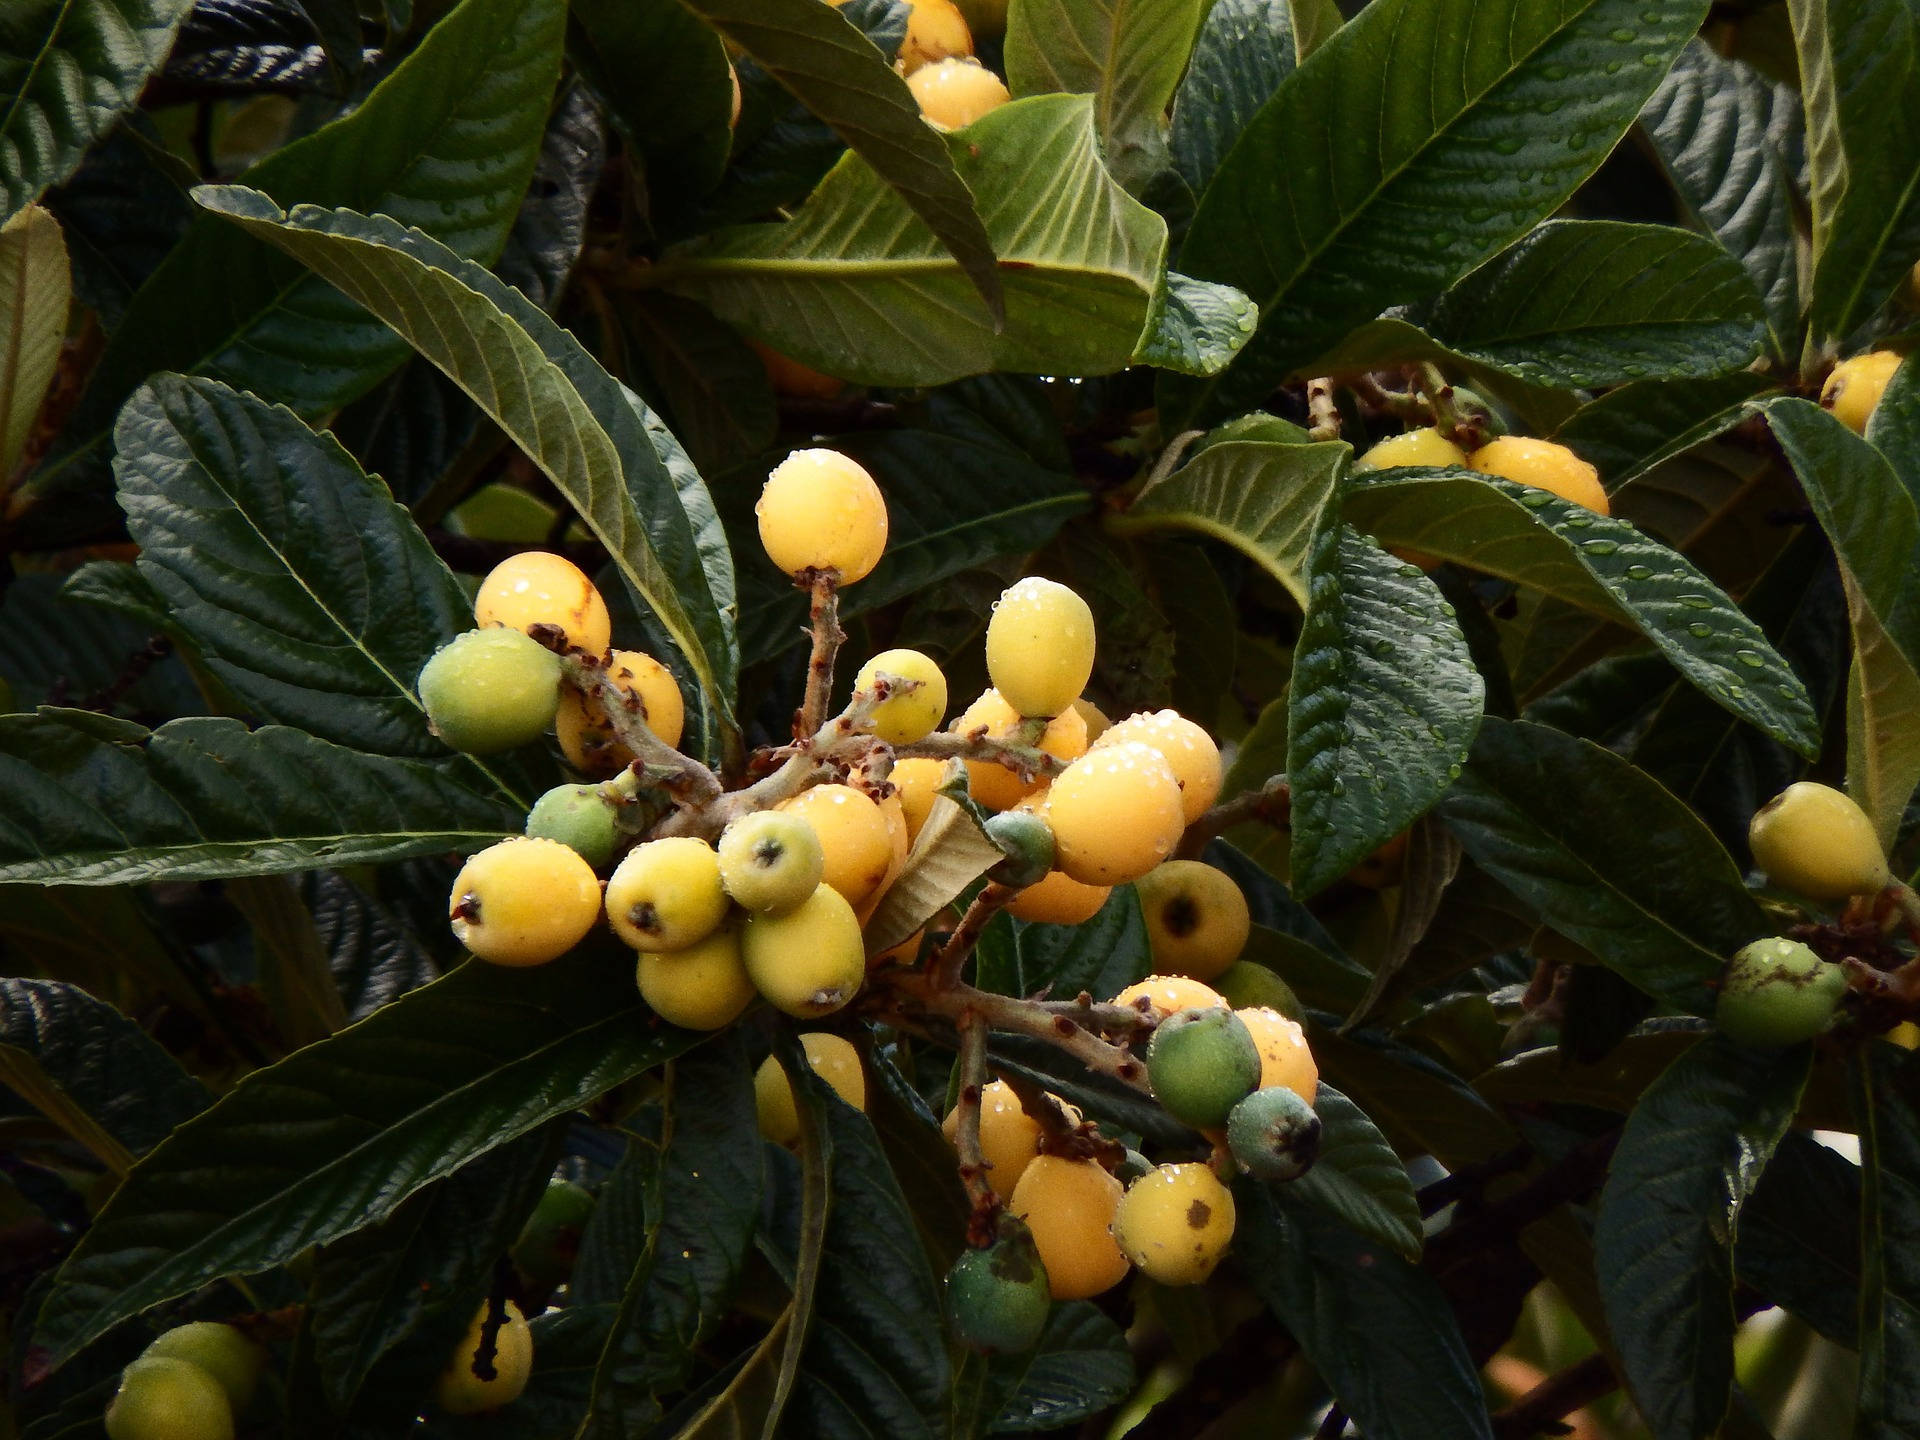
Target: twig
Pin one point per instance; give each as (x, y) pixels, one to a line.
(1573, 1177)
(1168, 458)
(1025, 1017)
(1272, 802)
(944, 969)
(1322, 413)
(1556, 1397)
(823, 619)
(1027, 761)
(966, 1140)
(690, 783)
(1401, 404)
(1466, 430)
(1044, 1108)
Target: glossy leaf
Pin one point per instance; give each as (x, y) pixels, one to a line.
(34, 293)
(1197, 327)
(1262, 498)
(309, 591)
(1658, 901)
(586, 431)
(91, 1070)
(373, 956)
(1358, 1179)
(1582, 303)
(1887, 1091)
(338, 1134)
(830, 67)
(435, 1256)
(1080, 262)
(1423, 102)
(1602, 565)
(1631, 429)
(1244, 50)
(1711, 122)
(446, 142)
(1382, 708)
(707, 381)
(1857, 63)
(1128, 54)
(698, 1184)
(1811, 1270)
(1690, 1156)
(105, 802)
(1375, 1327)
(68, 68)
(1080, 1367)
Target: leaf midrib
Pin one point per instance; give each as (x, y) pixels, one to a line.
(33, 70)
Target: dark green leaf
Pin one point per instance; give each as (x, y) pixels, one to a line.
(586, 431)
(1887, 1103)
(1711, 124)
(1261, 497)
(446, 142)
(1128, 54)
(1602, 565)
(707, 379)
(1811, 1269)
(1605, 856)
(699, 1185)
(922, 1161)
(1102, 956)
(430, 1262)
(1244, 50)
(1424, 102)
(832, 69)
(1580, 303)
(1691, 1154)
(68, 68)
(1080, 1367)
(1857, 65)
(338, 1134)
(55, 649)
(1358, 1179)
(311, 593)
(1197, 328)
(1078, 296)
(1631, 429)
(679, 130)
(373, 956)
(108, 802)
(1376, 1328)
(548, 233)
(1382, 709)
(96, 1061)
(121, 212)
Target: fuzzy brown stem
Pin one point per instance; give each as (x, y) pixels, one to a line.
(966, 1140)
(1058, 1027)
(1272, 802)
(1025, 760)
(943, 970)
(689, 782)
(1322, 413)
(823, 620)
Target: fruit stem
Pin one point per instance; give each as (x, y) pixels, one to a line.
(943, 971)
(966, 1140)
(1322, 412)
(1462, 429)
(1164, 464)
(823, 619)
(1272, 802)
(1908, 904)
(1025, 760)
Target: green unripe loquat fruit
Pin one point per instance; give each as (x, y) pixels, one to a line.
(463, 1390)
(1248, 985)
(666, 894)
(1812, 839)
(1201, 1064)
(1778, 992)
(811, 960)
(820, 510)
(770, 861)
(1197, 919)
(1854, 387)
(549, 1242)
(1175, 1223)
(1068, 1206)
(1040, 646)
(1545, 466)
(524, 902)
(234, 1361)
(538, 588)
(833, 1059)
(579, 817)
(906, 715)
(490, 690)
(505, 513)
(1274, 1134)
(997, 1297)
(702, 986)
(1426, 447)
(161, 1398)
(1027, 842)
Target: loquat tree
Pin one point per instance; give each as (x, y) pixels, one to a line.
(769, 718)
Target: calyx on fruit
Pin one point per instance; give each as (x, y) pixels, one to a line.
(1274, 1134)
